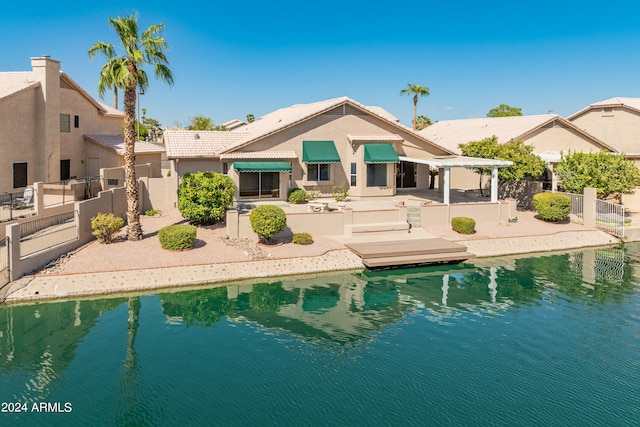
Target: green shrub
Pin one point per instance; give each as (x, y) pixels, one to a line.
(313, 194)
(152, 212)
(552, 206)
(105, 226)
(302, 239)
(340, 192)
(297, 196)
(463, 225)
(204, 196)
(177, 237)
(267, 220)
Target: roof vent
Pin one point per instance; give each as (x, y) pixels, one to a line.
(196, 136)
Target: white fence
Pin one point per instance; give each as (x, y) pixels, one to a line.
(609, 217)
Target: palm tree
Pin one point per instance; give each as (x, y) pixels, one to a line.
(126, 72)
(416, 90)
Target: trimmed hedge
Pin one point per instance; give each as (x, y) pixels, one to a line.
(302, 239)
(267, 220)
(552, 207)
(177, 237)
(297, 196)
(463, 225)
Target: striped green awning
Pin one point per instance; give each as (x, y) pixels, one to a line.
(319, 152)
(380, 153)
(262, 166)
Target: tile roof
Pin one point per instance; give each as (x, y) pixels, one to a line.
(289, 116)
(182, 143)
(116, 143)
(243, 155)
(14, 82)
(450, 133)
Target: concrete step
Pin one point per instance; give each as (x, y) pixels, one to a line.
(417, 259)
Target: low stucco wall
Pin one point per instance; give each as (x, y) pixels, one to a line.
(333, 223)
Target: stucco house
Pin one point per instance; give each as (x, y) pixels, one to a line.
(313, 146)
(615, 121)
(45, 117)
(549, 134)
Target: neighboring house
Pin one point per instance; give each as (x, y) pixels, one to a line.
(615, 121)
(311, 146)
(109, 150)
(549, 134)
(44, 118)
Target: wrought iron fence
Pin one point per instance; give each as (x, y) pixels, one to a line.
(17, 204)
(44, 233)
(71, 190)
(610, 217)
(576, 214)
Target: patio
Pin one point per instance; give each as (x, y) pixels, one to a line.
(407, 197)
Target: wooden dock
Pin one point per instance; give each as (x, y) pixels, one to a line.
(386, 253)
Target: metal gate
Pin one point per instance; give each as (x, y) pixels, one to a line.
(4, 261)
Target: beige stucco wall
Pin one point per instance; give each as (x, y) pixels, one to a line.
(18, 137)
(30, 123)
(617, 127)
(560, 138)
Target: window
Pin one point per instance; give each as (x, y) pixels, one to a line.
(225, 168)
(65, 123)
(377, 175)
(354, 178)
(65, 169)
(76, 121)
(318, 172)
(19, 175)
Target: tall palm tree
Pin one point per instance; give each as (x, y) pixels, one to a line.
(126, 72)
(416, 90)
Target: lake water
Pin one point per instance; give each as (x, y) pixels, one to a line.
(552, 340)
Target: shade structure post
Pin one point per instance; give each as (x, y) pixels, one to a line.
(494, 184)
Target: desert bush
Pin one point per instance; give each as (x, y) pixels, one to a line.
(105, 226)
(463, 225)
(152, 212)
(302, 239)
(313, 194)
(297, 196)
(204, 196)
(552, 206)
(267, 220)
(340, 192)
(177, 237)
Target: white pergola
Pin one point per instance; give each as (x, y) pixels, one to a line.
(444, 164)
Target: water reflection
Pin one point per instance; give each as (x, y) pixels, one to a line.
(39, 342)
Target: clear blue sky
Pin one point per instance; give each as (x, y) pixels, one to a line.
(231, 59)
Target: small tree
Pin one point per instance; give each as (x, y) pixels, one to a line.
(611, 174)
(267, 220)
(200, 123)
(525, 162)
(504, 110)
(203, 197)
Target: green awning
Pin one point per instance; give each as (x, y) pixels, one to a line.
(380, 153)
(319, 152)
(262, 166)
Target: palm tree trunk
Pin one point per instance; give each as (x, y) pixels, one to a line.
(131, 183)
(415, 110)
(115, 97)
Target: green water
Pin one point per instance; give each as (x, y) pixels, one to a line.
(548, 340)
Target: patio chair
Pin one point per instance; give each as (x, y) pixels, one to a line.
(25, 201)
